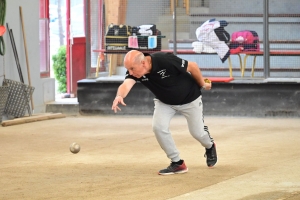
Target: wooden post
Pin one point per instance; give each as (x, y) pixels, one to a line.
(26, 54)
(116, 14)
(172, 5)
(187, 8)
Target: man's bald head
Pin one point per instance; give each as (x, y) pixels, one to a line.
(137, 64)
(133, 57)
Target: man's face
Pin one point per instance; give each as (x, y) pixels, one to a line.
(137, 70)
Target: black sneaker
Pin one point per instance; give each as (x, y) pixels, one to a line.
(174, 168)
(211, 156)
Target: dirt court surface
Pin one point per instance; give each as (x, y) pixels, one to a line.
(259, 158)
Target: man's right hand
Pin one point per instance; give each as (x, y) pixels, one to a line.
(117, 100)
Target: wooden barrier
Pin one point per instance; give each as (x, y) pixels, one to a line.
(33, 118)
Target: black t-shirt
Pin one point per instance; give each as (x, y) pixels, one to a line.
(169, 80)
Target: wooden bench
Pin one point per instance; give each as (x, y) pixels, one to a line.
(261, 53)
(274, 52)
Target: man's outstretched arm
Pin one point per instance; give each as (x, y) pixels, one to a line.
(122, 92)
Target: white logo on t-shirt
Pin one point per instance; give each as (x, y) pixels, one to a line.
(182, 63)
(163, 73)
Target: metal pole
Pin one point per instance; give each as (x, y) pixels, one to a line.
(174, 28)
(87, 39)
(266, 40)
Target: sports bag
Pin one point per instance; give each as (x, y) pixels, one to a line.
(116, 37)
(247, 39)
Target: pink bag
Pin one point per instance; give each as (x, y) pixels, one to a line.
(246, 39)
(133, 42)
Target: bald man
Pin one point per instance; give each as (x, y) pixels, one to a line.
(176, 84)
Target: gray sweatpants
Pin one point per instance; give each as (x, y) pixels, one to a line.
(193, 112)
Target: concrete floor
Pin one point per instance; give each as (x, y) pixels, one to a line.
(119, 159)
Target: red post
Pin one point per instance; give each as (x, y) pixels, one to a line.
(78, 62)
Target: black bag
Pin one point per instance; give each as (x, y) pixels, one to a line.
(135, 30)
(116, 37)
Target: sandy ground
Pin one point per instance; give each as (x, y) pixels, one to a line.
(259, 158)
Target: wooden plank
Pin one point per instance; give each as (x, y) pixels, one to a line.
(34, 118)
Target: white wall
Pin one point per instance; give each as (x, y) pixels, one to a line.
(44, 87)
